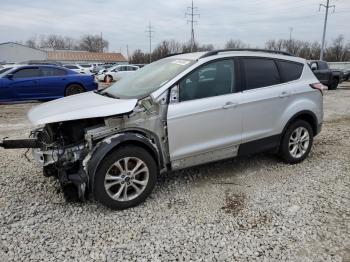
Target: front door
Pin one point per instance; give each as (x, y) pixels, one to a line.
(25, 83)
(205, 124)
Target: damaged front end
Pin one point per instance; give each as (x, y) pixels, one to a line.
(71, 151)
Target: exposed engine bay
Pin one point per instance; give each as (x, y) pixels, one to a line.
(65, 149)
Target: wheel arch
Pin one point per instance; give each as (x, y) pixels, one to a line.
(110, 144)
(108, 75)
(305, 115)
(73, 83)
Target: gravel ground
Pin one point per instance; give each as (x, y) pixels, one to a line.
(243, 209)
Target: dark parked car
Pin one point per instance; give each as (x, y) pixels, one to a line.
(327, 76)
(42, 82)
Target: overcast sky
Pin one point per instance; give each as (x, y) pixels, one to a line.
(124, 22)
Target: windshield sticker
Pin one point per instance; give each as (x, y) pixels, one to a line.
(180, 62)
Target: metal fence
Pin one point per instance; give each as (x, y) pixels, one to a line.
(339, 65)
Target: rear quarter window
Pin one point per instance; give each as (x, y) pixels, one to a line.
(290, 71)
(260, 72)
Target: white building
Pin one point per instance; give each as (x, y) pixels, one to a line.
(15, 53)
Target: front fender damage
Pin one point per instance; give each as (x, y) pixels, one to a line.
(93, 159)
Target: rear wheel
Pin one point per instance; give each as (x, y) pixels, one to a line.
(108, 79)
(125, 177)
(296, 142)
(74, 89)
(334, 84)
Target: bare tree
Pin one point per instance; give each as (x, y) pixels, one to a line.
(139, 57)
(274, 45)
(53, 41)
(32, 42)
(235, 44)
(165, 48)
(338, 50)
(69, 43)
(93, 43)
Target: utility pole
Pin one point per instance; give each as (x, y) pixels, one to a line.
(150, 33)
(101, 43)
(290, 33)
(191, 15)
(127, 51)
(327, 6)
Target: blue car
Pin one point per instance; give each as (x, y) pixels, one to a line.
(42, 82)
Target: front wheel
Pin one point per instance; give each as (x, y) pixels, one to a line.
(296, 142)
(125, 177)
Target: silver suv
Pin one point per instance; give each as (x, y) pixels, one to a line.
(181, 111)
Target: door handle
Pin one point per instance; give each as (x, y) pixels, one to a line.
(229, 105)
(284, 94)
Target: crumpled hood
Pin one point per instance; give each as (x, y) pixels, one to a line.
(81, 106)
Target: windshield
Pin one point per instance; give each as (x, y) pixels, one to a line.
(144, 81)
(4, 71)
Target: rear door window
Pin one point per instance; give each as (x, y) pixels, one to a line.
(51, 71)
(71, 67)
(290, 71)
(27, 73)
(260, 72)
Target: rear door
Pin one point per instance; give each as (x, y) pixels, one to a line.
(205, 124)
(53, 81)
(25, 83)
(120, 73)
(262, 98)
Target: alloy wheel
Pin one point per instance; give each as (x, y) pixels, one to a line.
(126, 179)
(299, 142)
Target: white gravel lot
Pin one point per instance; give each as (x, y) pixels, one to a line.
(244, 209)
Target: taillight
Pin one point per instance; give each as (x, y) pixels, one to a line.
(319, 87)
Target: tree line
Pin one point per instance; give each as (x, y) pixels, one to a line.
(338, 50)
(90, 43)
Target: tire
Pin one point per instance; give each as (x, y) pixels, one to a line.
(112, 182)
(289, 152)
(74, 89)
(108, 78)
(334, 84)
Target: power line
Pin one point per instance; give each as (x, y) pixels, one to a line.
(150, 33)
(327, 6)
(191, 15)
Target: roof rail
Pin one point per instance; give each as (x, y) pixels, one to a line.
(215, 52)
(173, 54)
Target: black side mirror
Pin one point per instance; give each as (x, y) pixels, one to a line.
(9, 76)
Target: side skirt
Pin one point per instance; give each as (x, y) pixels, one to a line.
(260, 145)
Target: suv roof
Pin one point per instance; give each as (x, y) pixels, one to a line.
(240, 52)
